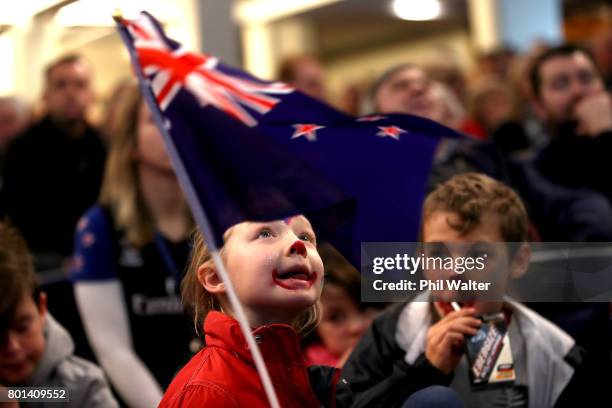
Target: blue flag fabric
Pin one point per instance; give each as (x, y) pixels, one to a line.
(259, 150)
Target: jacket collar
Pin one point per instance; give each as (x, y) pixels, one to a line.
(546, 346)
(277, 342)
(58, 347)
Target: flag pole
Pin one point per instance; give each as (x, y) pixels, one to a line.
(201, 220)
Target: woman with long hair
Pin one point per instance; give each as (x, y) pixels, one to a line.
(130, 251)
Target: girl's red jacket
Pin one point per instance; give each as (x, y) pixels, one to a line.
(223, 373)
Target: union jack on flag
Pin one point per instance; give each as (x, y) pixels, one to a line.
(259, 150)
(170, 67)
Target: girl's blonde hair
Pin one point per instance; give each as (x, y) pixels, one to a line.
(120, 191)
(200, 302)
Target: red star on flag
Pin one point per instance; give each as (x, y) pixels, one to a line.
(308, 130)
(390, 131)
(371, 118)
(83, 223)
(88, 239)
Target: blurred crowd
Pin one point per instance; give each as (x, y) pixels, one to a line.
(105, 220)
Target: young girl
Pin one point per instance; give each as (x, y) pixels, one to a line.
(130, 252)
(278, 275)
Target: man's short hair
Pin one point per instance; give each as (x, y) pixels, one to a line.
(17, 276)
(470, 196)
(65, 59)
(563, 50)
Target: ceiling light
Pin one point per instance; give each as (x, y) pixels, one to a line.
(417, 10)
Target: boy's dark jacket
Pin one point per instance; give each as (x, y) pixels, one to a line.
(379, 375)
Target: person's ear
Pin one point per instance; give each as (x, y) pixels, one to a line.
(520, 262)
(209, 279)
(42, 305)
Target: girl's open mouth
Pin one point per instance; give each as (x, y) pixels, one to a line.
(294, 278)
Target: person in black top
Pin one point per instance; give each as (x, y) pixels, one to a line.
(570, 97)
(130, 252)
(52, 173)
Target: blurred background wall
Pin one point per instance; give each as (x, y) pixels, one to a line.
(354, 39)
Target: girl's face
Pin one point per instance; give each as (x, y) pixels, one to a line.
(342, 323)
(151, 151)
(275, 268)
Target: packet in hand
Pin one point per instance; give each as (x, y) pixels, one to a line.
(489, 353)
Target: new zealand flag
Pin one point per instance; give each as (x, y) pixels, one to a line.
(258, 150)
